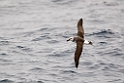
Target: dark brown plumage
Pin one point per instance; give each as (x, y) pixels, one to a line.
(79, 39)
(79, 46)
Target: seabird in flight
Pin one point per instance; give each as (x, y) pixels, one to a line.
(79, 39)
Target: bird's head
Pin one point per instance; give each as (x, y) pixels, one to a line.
(90, 42)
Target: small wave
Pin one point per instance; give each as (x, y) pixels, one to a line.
(6, 81)
(4, 60)
(121, 70)
(23, 48)
(111, 3)
(55, 54)
(42, 29)
(89, 74)
(31, 81)
(37, 39)
(61, 54)
(37, 69)
(4, 54)
(40, 82)
(52, 41)
(104, 33)
(4, 42)
(64, 36)
(102, 43)
(114, 52)
(108, 66)
(62, 2)
(68, 71)
(88, 63)
(42, 37)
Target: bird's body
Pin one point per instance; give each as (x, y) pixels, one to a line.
(79, 39)
(76, 39)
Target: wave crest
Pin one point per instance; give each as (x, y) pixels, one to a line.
(104, 33)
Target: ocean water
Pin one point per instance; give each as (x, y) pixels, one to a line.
(33, 47)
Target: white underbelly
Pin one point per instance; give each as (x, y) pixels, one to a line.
(86, 42)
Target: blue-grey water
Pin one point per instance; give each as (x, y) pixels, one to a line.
(33, 47)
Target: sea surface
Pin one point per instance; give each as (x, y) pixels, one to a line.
(33, 47)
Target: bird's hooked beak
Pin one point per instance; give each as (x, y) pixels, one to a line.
(70, 39)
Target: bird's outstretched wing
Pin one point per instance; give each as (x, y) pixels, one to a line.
(78, 53)
(80, 28)
(79, 43)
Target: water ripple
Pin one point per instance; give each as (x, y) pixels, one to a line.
(103, 32)
(24, 48)
(6, 81)
(33, 47)
(68, 71)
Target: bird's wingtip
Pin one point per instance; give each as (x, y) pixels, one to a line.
(81, 20)
(76, 64)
